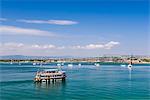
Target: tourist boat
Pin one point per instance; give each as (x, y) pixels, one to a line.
(48, 75)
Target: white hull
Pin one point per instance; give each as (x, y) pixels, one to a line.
(79, 64)
(97, 64)
(123, 65)
(34, 64)
(130, 66)
(58, 64)
(70, 65)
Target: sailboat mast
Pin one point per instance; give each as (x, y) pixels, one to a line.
(131, 60)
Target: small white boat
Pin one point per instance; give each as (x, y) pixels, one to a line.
(123, 65)
(62, 64)
(34, 63)
(58, 64)
(130, 66)
(97, 64)
(19, 63)
(79, 64)
(70, 65)
(11, 62)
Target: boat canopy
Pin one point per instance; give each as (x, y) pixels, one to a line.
(50, 70)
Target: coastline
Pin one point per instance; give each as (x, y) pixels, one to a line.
(103, 60)
(76, 63)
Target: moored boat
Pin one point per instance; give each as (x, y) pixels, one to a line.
(122, 65)
(130, 66)
(70, 65)
(34, 64)
(97, 64)
(79, 64)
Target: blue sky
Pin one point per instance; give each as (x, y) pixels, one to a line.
(74, 27)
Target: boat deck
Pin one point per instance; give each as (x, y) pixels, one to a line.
(50, 75)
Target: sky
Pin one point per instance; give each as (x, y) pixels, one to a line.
(74, 27)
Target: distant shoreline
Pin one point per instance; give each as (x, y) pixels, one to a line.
(124, 59)
(74, 63)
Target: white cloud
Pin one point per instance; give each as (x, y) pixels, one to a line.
(94, 46)
(3, 19)
(111, 44)
(12, 45)
(12, 30)
(6, 47)
(57, 22)
(50, 49)
(108, 45)
(44, 46)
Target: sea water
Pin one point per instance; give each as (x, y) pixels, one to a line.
(86, 82)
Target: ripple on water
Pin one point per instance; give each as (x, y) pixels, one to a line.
(85, 83)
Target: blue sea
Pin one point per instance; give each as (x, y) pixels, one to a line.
(86, 82)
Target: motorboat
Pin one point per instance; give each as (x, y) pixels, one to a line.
(34, 64)
(79, 64)
(130, 66)
(97, 64)
(70, 65)
(123, 65)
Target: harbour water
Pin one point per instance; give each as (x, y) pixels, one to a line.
(86, 82)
